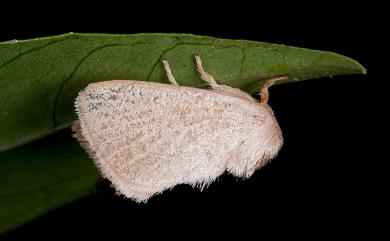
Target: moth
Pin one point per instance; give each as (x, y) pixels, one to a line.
(147, 137)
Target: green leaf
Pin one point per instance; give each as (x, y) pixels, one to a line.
(42, 176)
(40, 78)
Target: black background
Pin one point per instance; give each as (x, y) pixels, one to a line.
(326, 181)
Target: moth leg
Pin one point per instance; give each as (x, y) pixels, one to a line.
(268, 83)
(169, 73)
(234, 91)
(203, 74)
(223, 89)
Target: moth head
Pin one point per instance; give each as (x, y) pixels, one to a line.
(270, 139)
(271, 134)
(273, 138)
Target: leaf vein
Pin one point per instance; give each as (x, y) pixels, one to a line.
(28, 52)
(60, 89)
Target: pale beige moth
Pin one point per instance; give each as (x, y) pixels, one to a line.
(147, 137)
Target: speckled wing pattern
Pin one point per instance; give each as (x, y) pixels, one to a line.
(147, 137)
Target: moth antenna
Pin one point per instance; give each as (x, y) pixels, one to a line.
(268, 83)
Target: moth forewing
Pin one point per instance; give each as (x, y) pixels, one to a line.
(147, 137)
